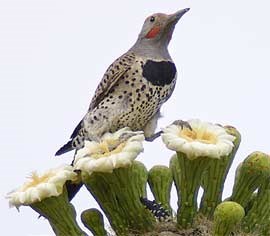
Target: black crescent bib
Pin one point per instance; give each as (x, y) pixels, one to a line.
(159, 73)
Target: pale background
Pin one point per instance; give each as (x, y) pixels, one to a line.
(53, 54)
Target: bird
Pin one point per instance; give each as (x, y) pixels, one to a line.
(160, 213)
(134, 87)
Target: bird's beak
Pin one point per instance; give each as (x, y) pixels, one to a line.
(174, 18)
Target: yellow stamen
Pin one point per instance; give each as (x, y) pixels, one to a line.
(104, 147)
(109, 152)
(200, 135)
(35, 180)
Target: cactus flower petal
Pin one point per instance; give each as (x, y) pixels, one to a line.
(114, 150)
(205, 139)
(39, 187)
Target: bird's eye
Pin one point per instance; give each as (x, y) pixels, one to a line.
(152, 19)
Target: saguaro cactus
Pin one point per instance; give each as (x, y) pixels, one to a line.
(204, 153)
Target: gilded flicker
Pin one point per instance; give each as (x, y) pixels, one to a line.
(134, 87)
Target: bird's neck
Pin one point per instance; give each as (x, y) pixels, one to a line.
(144, 48)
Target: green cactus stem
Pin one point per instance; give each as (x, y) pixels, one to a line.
(187, 176)
(250, 175)
(160, 181)
(227, 216)
(258, 217)
(215, 176)
(264, 231)
(118, 194)
(60, 213)
(93, 220)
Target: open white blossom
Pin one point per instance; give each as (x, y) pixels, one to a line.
(39, 187)
(114, 150)
(205, 139)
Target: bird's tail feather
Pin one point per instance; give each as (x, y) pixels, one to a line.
(66, 148)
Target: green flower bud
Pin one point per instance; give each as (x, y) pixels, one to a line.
(93, 220)
(226, 217)
(160, 181)
(250, 175)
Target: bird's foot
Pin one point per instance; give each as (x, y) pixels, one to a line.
(72, 163)
(73, 160)
(182, 124)
(153, 137)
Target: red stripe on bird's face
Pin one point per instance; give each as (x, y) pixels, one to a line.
(153, 32)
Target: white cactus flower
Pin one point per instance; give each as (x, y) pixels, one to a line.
(205, 139)
(39, 187)
(114, 150)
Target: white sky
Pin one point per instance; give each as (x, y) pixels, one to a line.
(53, 54)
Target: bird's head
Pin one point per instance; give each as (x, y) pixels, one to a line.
(159, 27)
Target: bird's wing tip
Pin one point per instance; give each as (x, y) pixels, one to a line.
(66, 148)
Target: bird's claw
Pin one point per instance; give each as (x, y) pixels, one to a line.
(182, 124)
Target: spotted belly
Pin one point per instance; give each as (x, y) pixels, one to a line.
(143, 103)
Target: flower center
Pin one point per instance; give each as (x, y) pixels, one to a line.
(35, 180)
(106, 149)
(199, 135)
